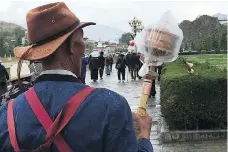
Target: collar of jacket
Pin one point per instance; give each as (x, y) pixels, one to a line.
(57, 75)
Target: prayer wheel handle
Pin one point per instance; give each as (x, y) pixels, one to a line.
(147, 84)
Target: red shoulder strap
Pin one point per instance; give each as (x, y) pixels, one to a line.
(53, 129)
(11, 126)
(67, 113)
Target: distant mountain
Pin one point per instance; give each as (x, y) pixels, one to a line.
(220, 16)
(103, 33)
(9, 27)
(100, 32)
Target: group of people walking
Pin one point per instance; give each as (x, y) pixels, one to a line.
(97, 65)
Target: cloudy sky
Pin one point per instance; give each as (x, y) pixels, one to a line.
(117, 13)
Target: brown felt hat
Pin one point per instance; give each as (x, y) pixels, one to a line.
(48, 27)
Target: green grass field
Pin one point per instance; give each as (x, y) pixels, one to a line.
(218, 60)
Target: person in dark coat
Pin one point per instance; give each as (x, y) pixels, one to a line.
(153, 89)
(111, 62)
(121, 66)
(102, 64)
(128, 60)
(4, 77)
(159, 69)
(133, 62)
(83, 68)
(94, 66)
(139, 65)
(108, 64)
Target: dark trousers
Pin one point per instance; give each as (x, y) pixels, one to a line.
(101, 71)
(133, 73)
(121, 72)
(110, 67)
(153, 91)
(94, 74)
(137, 71)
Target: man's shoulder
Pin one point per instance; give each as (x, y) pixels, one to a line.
(109, 98)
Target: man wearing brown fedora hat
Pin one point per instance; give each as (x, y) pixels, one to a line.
(59, 113)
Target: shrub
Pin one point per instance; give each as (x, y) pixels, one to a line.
(194, 101)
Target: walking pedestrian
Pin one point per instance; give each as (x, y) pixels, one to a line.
(128, 61)
(111, 62)
(59, 113)
(133, 61)
(139, 65)
(153, 89)
(4, 77)
(102, 64)
(83, 68)
(108, 63)
(94, 66)
(121, 66)
(159, 69)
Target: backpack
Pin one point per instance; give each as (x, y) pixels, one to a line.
(53, 129)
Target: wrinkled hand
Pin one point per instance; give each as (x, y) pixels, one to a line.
(142, 125)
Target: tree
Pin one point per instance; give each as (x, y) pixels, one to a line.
(125, 38)
(136, 26)
(214, 44)
(18, 41)
(19, 32)
(3, 46)
(90, 45)
(223, 42)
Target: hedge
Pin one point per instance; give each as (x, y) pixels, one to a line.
(194, 101)
(206, 52)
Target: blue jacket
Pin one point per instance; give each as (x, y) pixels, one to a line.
(103, 123)
(83, 67)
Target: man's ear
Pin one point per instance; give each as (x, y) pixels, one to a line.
(77, 43)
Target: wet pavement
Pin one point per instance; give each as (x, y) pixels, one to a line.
(131, 90)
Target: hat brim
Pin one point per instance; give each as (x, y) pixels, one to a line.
(43, 51)
(24, 76)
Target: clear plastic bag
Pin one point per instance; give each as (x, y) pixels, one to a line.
(159, 42)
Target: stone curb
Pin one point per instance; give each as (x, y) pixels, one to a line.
(168, 136)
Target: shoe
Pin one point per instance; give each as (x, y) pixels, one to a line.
(123, 81)
(101, 78)
(119, 81)
(94, 80)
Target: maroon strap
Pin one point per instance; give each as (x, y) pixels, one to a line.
(67, 113)
(53, 129)
(11, 126)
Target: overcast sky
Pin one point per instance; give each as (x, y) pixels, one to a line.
(117, 13)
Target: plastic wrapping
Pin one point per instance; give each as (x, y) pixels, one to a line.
(159, 42)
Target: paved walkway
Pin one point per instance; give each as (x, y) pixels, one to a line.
(131, 90)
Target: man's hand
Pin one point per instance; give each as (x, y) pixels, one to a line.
(142, 125)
